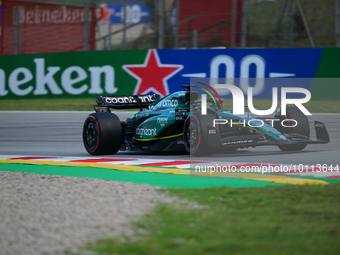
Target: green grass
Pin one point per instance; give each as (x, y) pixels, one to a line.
(85, 104)
(49, 104)
(269, 220)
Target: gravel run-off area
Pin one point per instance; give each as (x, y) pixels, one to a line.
(46, 214)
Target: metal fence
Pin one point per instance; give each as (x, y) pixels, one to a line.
(205, 25)
(135, 24)
(235, 23)
(37, 27)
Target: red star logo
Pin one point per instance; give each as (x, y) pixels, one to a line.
(152, 75)
(105, 14)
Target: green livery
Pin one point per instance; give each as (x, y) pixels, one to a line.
(176, 123)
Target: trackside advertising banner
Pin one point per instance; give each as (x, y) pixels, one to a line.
(129, 72)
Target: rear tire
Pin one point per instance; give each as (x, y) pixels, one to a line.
(301, 128)
(102, 133)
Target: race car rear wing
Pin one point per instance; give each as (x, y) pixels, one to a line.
(124, 102)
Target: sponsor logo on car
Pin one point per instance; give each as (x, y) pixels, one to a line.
(146, 132)
(130, 99)
(101, 109)
(320, 125)
(167, 103)
(142, 115)
(162, 121)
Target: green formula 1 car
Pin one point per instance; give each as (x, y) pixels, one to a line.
(175, 123)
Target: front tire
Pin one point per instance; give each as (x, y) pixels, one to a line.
(301, 128)
(102, 133)
(195, 134)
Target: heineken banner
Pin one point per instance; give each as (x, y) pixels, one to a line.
(94, 73)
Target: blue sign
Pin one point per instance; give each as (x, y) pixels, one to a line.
(285, 67)
(135, 12)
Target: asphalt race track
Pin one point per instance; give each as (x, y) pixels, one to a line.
(59, 134)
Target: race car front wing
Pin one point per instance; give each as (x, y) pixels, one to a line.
(261, 140)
